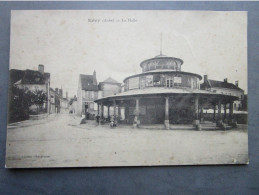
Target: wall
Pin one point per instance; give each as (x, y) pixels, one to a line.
(109, 89)
(160, 79)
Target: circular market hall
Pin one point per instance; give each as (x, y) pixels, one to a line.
(164, 94)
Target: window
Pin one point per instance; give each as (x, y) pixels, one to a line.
(142, 82)
(177, 81)
(152, 67)
(92, 94)
(158, 66)
(156, 80)
(95, 106)
(169, 82)
(134, 83)
(149, 80)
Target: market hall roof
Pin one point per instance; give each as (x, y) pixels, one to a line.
(162, 59)
(88, 82)
(151, 91)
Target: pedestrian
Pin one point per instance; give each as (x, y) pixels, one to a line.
(97, 118)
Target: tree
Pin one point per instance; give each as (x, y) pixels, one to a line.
(38, 99)
(20, 101)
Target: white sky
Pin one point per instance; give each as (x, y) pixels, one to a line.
(213, 43)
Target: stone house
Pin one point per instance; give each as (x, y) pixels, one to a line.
(226, 88)
(87, 92)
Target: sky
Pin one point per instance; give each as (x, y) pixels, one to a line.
(114, 43)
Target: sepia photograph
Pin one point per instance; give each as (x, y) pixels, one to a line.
(98, 88)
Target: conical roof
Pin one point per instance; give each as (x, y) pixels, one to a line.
(110, 80)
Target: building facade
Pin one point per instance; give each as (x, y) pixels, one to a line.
(224, 87)
(86, 94)
(58, 103)
(163, 94)
(73, 105)
(107, 88)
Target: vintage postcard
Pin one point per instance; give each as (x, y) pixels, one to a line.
(99, 88)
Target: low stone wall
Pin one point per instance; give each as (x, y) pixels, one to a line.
(240, 118)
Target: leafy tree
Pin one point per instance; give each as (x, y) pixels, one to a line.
(39, 98)
(20, 101)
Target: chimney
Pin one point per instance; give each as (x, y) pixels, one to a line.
(225, 80)
(56, 90)
(205, 77)
(94, 75)
(41, 68)
(67, 95)
(236, 83)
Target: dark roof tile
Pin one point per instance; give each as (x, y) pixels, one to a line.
(28, 76)
(220, 84)
(88, 83)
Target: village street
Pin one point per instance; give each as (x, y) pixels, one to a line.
(60, 141)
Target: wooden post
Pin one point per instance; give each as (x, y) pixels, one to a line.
(225, 111)
(99, 117)
(108, 111)
(196, 109)
(167, 122)
(201, 115)
(101, 110)
(114, 109)
(219, 111)
(219, 121)
(119, 113)
(214, 113)
(127, 113)
(136, 119)
(231, 110)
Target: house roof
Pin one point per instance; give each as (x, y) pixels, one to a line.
(28, 77)
(219, 84)
(88, 82)
(15, 75)
(110, 80)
